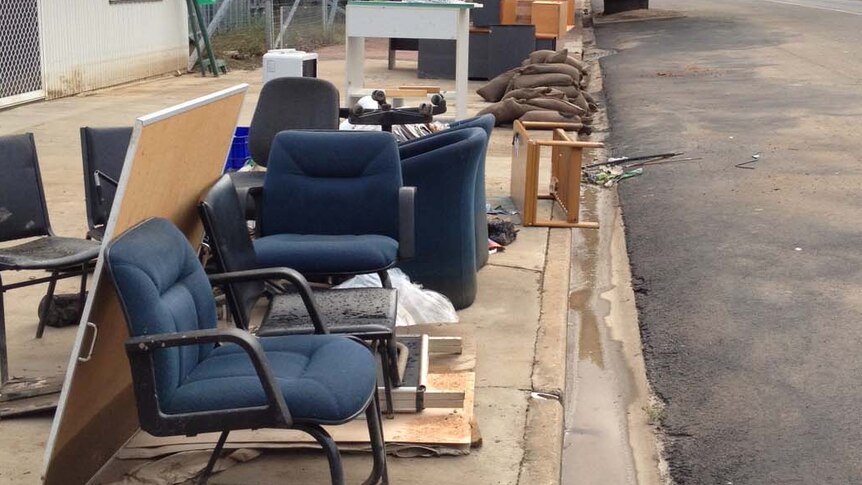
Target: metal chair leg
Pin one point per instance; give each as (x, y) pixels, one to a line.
(205, 476)
(392, 353)
(384, 279)
(386, 364)
(4, 359)
(336, 471)
(82, 294)
(49, 300)
(379, 471)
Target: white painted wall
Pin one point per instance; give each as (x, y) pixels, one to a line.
(90, 44)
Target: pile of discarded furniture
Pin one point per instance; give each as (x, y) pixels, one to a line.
(330, 205)
(548, 87)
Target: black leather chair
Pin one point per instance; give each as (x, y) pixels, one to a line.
(24, 215)
(104, 153)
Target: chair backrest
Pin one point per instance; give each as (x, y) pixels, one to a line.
(102, 149)
(332, 183)
(23, 212)
(444, 175)
(485, 121)
(162, 288)
(291, 103)
(231, 245)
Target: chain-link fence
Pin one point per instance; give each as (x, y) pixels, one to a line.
(20, 59)
(307, 24)
(243, 30)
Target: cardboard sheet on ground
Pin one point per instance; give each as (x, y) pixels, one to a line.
(429, 433)
(174, 156)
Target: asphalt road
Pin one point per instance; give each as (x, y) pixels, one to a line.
(749, 281)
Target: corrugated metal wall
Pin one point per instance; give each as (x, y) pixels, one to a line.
(90, 44)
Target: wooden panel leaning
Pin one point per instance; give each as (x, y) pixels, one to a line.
(174, 156)
(565, 186)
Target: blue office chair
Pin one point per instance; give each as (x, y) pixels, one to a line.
(444, 174)
(421, 145)
(191, 377)
(333, 204)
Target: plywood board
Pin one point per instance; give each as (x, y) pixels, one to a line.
(174, 156)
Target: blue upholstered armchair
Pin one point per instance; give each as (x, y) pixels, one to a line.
(444, 173)
(190, 377)
(421, 145)
(333, 204)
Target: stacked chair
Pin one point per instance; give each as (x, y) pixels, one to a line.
(368, 313)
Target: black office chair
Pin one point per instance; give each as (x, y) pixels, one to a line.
(104, 153)
(24, 215)
(190, 377)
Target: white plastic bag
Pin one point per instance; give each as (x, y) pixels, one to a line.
(415, 304)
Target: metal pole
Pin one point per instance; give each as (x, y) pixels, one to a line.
(267, 8)
(323, 15)
(210, 54)
(286, 23)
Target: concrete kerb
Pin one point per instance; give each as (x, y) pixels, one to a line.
(543, 435)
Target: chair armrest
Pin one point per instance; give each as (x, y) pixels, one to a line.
(256, 195)
(406, 222)
(147, 344)
(291, 275)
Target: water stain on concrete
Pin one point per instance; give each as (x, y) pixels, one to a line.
(603, 397)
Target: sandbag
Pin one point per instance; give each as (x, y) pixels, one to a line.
(494, 90)
(560, 105)
(577, 63)
(590, 100)
(569, 91)
(559, 56)
(537, 57)
(550, 116)
(537, 80)
(507, 111)
(560, 67)
(576, 98)
(541, 92)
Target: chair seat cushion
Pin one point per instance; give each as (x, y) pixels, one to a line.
(324, 378)
(50, 252)
(356, 311)
(325, 254)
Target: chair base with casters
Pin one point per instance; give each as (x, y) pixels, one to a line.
(190, 377)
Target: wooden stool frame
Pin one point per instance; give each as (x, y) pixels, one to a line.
(565, 186)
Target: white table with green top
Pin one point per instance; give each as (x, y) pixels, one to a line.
(410, 20)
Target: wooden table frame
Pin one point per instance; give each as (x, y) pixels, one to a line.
(565, 187)
(415, 20)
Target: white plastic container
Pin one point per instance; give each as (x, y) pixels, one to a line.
(289, 63)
